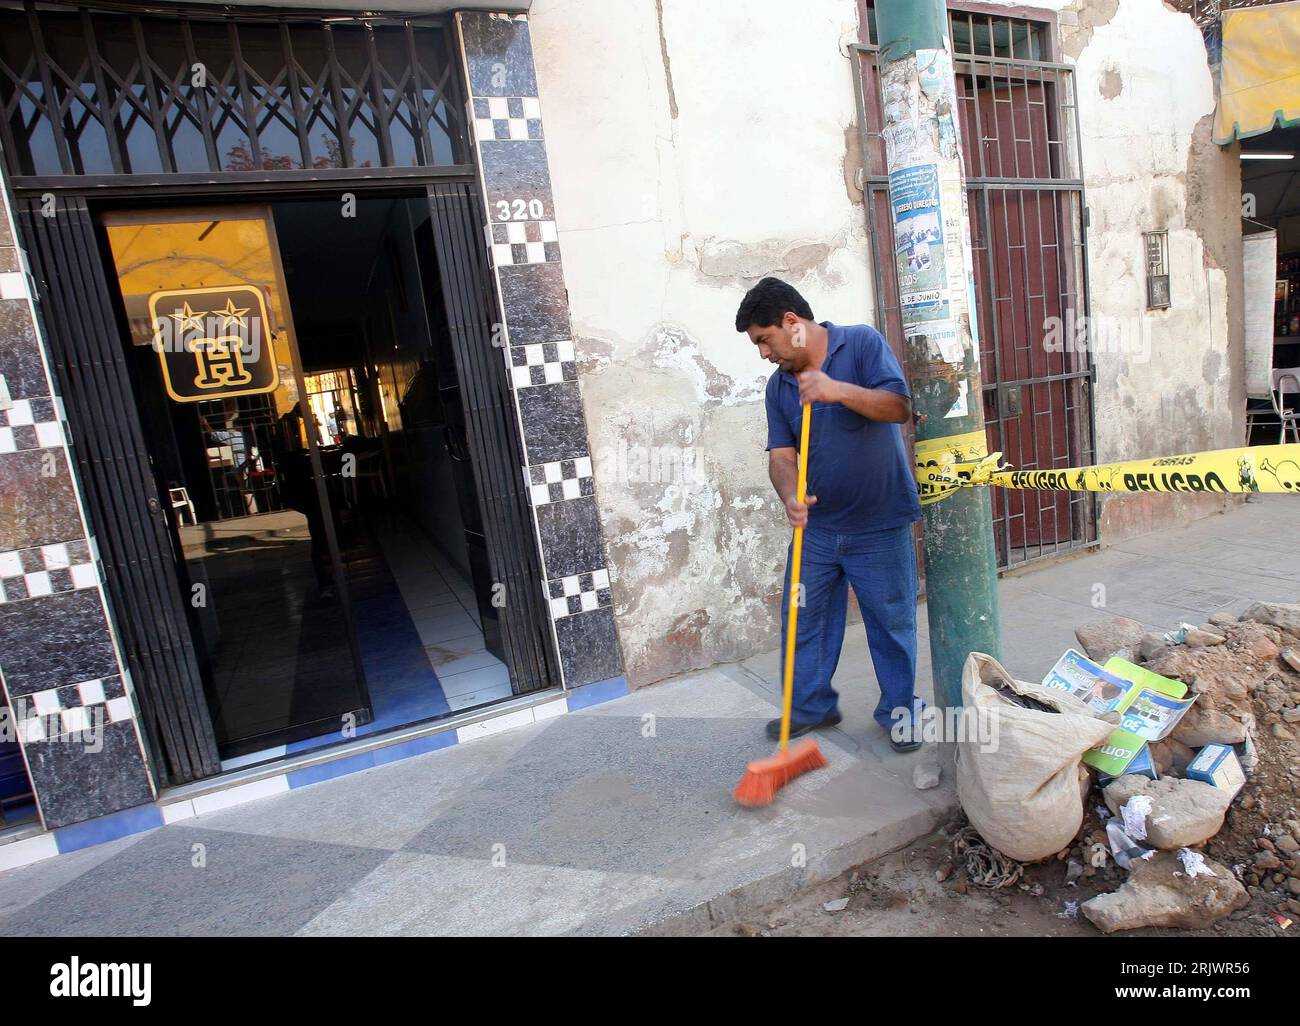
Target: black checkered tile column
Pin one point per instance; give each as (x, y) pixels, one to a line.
(70, 703)
(523, 241)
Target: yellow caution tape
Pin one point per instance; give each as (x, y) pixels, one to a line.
(945, 464)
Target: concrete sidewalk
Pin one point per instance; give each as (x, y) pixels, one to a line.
(618, 818)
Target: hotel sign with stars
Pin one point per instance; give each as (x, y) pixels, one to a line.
(213, 343)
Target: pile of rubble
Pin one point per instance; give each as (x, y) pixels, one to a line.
(1190, 852)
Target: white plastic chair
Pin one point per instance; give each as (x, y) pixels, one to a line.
(1290, 418)
(180, 500)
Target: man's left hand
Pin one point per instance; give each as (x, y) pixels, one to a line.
(816, 387)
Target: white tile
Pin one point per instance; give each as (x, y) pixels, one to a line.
(84, 576)
(554, 374)
(565, 350)
(55, 556)
(120, 709)
(13, 285)
(517, 231)
(549, 710)
(46, 702)
(38, 584)
(32, 730)
(518, 128)
(572, 489)
(498, 108)
(177, 811)
(522, 379)
(554, 473)
(92, 692)
(10, 565)
(21, 413)
(449, 663)
(49, 434)
(559, 607)
(7, 443)
(265, 755)
(589, 601)
(27, 851)
(583, 465)
(232, 796)
(536, 252)
(502, 255)
(474, 680)
(600, 578)
(541, 494)
(444, 628)
(549, 232)
(532, 107)
(495, 725)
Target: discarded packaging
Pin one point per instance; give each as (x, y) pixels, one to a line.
(1135, 813)
(1141, 766)
(1124, 849)
(1194, 862)
(1218, 765)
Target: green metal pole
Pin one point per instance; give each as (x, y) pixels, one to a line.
(932, 259)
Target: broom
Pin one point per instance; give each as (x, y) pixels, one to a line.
(764, 777)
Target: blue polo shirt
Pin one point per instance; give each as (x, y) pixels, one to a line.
(858, 468)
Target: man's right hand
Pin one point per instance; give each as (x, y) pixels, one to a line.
(797, 512)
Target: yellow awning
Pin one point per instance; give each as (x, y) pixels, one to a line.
(1260, 80)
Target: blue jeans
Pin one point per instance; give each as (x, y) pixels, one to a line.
(881, 567)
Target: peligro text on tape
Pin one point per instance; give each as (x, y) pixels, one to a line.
(943, 466)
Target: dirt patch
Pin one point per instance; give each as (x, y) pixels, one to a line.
(931, 888)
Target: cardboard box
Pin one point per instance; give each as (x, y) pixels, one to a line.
(1217, 765)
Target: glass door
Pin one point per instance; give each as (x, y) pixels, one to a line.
(234, 439)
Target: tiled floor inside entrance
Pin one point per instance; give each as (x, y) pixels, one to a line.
(418, 627)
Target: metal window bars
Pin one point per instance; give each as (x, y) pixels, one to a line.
(1021, 142)
(88, 91)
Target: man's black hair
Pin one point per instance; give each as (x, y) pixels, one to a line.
(767, 302)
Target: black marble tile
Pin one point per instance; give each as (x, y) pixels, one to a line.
(588, 647)
(20, 359)
(55, 640)
(76, 783)
(35, 509)
(553, 424)
(571, 541)
(536, 303)
(499, 55)
(514, 171)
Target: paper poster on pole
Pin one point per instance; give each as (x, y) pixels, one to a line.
(919, 250)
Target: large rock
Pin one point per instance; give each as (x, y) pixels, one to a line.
(1201, 726)
(1160, 893)
(1183, 812)
(1115, 635)
(1280, 614)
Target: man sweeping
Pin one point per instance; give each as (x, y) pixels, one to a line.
(861, 502)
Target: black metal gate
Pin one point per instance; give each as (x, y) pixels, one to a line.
(1024, 187)
(492, 434)
(76, 310)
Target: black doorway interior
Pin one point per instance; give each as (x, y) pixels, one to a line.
(333, 525)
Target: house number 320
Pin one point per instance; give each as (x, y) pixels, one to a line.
(520, 210)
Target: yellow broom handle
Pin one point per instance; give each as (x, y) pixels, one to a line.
(796, 560)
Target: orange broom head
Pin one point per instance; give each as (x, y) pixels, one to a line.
(764, 777)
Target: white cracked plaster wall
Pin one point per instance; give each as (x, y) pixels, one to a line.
(664, 222)
(1135, 152)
